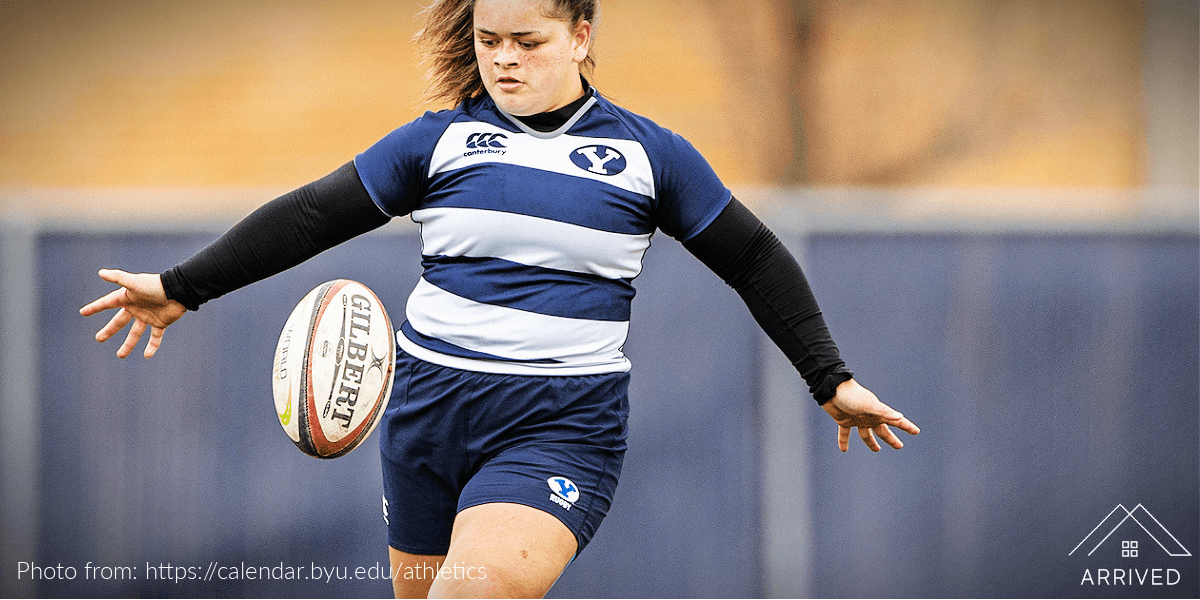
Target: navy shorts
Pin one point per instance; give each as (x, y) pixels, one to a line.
(453, 439)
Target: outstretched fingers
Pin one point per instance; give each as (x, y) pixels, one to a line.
(855, 407)
(115, 324)
(906, 425)
(141, 303)
(131, 340)
(109, 301)
(156, 336)
(136, 331)
(888, 436)
(868, 438)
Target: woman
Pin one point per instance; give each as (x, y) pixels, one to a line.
(537, 199)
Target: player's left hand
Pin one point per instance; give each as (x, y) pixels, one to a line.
(855, 406)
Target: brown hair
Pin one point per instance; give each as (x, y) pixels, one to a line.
(448, 45)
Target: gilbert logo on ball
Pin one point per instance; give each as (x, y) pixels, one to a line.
(333, 366)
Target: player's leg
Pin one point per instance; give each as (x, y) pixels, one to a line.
(551, 451)
(420, 476)
(412, 574)
(504, 550)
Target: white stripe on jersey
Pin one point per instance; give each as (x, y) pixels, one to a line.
(554, 155)
(502, 367)
(530, 241)
(516, 334)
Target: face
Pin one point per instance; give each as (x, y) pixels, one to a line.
(529, 61)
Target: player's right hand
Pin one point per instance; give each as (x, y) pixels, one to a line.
(140, 299)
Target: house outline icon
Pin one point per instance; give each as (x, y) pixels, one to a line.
(1124, 514)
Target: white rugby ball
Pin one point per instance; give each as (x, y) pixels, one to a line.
(332, 373)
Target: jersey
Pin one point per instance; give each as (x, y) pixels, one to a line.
(530, 240)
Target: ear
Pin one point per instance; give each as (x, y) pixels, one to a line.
(582, 38)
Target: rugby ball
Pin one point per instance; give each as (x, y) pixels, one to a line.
(332, 373)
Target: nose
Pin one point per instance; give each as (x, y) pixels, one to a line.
(506, 55)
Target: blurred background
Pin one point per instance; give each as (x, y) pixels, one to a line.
(995, 201)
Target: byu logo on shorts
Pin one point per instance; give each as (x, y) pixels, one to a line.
(600, 160)
(486, 140)
(563, 489)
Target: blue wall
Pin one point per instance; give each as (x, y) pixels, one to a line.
(1054, 377)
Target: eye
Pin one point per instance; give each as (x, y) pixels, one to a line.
(530, 45)
(488, 43)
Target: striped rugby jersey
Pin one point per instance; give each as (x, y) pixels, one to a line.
(530, 241)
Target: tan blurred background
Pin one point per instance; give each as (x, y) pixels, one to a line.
(142, 103)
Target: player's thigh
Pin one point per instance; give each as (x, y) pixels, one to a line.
(412, 574)
(504, 550)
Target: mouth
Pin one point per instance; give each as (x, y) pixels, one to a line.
(508, 84)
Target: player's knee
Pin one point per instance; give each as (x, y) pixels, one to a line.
(489, 582)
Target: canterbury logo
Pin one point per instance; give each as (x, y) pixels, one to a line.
(486, 140)
(600, 160)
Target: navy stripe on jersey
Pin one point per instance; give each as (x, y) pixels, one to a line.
(447, 348)
(573, 201)
(534, 289)
(530, 241)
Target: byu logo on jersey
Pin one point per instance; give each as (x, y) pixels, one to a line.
(486, 140)
(600, 160)
(565, 493)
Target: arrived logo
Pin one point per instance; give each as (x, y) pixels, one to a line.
(1128, 522)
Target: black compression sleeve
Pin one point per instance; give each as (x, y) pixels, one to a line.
(278, 236)
(744, 253)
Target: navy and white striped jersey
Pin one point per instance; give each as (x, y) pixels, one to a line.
(531, 240)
